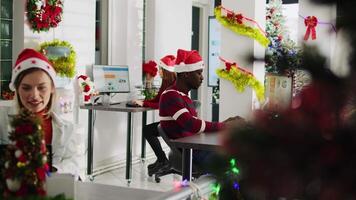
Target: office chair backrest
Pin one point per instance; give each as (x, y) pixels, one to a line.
(167, 140)
(196, 104)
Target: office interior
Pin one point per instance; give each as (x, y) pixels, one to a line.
(131, 32)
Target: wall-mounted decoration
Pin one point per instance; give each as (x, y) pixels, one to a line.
(311, 22)
(241, 78)
(44, 14)
(237, 23)
(61, 55)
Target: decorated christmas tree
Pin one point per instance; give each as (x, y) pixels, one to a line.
(25, 163)
(282, 55)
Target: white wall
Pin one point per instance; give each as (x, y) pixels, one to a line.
(237, 48)
(168, 27)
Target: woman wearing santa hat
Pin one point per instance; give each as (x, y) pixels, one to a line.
(33, 82)
(150, 132)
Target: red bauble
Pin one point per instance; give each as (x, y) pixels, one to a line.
(86, 88)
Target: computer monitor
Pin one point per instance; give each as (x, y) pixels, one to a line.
(111, 78)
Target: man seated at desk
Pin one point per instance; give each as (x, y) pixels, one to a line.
(178, 117)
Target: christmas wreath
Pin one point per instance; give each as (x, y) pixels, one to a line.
(241, 78)
(44, 14)
(62, 56)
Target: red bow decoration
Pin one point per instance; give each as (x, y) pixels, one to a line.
(150, 68)
(310, 22)
(235, 17)
(228, 65)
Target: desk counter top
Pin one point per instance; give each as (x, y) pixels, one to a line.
(121, 107)
(204, 141)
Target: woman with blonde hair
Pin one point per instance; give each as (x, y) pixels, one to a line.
(34, 86)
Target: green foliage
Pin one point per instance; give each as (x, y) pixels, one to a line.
(282, 54)
(64, 66)
(241, 80)
(241, 29)
(149, 93)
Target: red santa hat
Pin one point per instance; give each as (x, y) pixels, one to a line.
(168, 63)
(27, 59)
(188, 61)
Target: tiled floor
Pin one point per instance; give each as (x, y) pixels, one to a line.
(140, 179)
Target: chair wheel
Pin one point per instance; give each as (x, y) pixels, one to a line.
(157, 179)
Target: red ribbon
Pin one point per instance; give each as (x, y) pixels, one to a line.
(229, 65)
(239, 17)
(310, 22)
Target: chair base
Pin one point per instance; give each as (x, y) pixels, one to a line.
(164, 172)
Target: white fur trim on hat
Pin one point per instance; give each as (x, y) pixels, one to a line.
(166, 67)
(189, 67)
(32, 63)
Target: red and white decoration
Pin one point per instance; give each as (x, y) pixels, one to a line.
(29, 58)
(86, 87)
(44, 14)
(168, 63)
(310, 22)
(188, 61)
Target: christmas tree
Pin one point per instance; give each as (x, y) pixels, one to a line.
(282, 55)
(307, 151)
(25, 164)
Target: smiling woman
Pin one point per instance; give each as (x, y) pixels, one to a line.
(34, 86)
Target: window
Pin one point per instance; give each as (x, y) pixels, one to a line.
(6, 22)
(97, 33)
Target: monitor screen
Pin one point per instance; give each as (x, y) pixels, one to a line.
(111, 78)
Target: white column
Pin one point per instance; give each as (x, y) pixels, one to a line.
(238, 48)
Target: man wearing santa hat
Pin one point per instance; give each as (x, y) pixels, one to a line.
(178, 117)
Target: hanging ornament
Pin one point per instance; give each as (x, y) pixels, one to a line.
(310, 22)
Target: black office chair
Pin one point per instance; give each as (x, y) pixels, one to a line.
(175, 160)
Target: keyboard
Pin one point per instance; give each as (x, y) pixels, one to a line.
(115, 103)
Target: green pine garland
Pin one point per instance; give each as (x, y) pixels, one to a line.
(241, 80)
(242, 29)
(64, 66)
